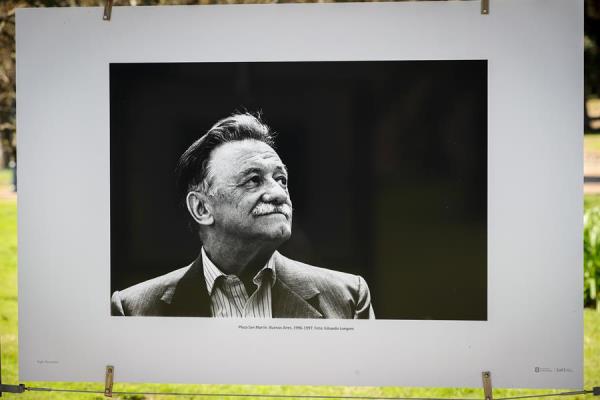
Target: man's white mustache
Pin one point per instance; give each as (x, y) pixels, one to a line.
(269, 208)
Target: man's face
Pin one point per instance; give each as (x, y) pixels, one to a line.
(250, 198)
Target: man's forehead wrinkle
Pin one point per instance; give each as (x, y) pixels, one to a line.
(247, 162)
(260, 164)
(231, 160)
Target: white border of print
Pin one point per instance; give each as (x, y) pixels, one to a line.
(535, 85)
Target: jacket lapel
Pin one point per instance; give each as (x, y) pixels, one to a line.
(189, 298)
(293, 297)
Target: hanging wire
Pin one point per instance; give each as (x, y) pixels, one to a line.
(256, 395)
(279, 396)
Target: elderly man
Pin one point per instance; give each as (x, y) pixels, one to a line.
(236, 190)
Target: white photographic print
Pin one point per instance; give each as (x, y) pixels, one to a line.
(368, 211)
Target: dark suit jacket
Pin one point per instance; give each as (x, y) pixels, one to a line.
(300, 291)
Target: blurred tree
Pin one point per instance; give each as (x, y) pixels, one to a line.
(7, 84)
(591, 54)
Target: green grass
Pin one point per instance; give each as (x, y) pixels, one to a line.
(591, 200)
(8, 330)
(591, 142)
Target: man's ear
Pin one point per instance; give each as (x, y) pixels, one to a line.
(197, 206)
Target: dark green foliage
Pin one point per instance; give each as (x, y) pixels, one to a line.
(591, 257)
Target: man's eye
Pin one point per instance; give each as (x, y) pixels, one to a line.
(253, 181)
(282, 180)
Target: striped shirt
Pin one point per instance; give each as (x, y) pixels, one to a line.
(228, 296)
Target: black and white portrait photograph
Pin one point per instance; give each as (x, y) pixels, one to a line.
(339, 190)
(357, 194)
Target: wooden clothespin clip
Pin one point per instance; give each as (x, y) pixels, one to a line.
(108, 380)
(107, 10)
(485, 7)
(487, 385)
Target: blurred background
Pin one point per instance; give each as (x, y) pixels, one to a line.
(8, 224)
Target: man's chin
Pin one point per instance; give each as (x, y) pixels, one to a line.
(279, 233)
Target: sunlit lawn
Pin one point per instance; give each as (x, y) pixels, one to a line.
(8, 329)
(591, 143)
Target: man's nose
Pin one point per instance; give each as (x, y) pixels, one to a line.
(274, 193)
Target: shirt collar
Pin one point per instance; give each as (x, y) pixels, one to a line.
(212, 272)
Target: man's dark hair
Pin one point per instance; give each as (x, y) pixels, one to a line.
(193, 166)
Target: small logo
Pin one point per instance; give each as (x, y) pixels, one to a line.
(542, 369)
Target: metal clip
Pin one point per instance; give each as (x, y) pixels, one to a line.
(485, 7)
(108, 380)
(107, 10)
(487, 385)
(12, 389)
